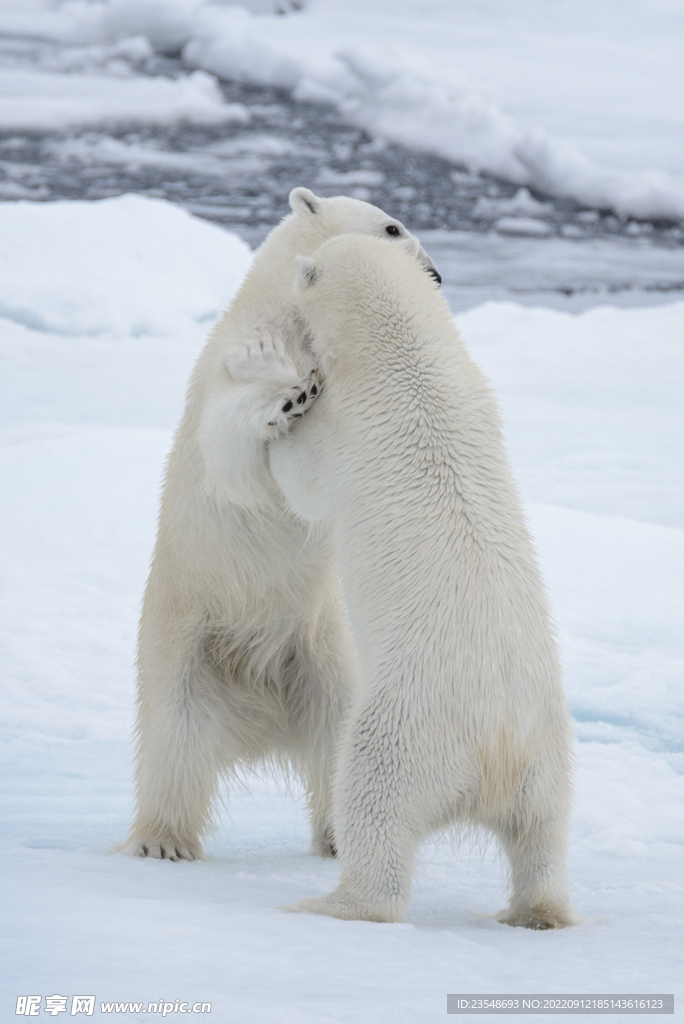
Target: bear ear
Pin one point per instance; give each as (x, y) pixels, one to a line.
(303, 201)
(306, 270)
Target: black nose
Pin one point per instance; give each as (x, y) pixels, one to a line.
(435, 273)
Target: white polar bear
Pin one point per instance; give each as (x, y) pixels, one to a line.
(460, 715)
(244, 652)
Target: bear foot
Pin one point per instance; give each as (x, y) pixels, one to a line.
(346, 908)
(293, 404)
(538, 918)
(162, 849)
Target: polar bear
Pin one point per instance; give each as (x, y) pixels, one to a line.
(244, 653)
(460, 714)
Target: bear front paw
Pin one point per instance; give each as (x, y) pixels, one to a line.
(259, 358)
(294, 403)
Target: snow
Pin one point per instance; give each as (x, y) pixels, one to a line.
(522, 204)
(104, 307)
(599, 435)
(37, 99)
(95, 268)
(521, 226)
(580, 100)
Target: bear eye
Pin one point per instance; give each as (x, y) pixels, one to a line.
(392, 229)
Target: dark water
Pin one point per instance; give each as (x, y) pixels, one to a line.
(241, 173)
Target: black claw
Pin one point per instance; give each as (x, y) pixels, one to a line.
(297, 416)
(314, 390)
(302, 398)
(287, 406)
(144, 849)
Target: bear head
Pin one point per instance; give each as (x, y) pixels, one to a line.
(340, 215)
(356, 287)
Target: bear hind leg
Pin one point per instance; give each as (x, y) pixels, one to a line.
(181, 751)
(319, 683)
(540, 897)
(382, 807)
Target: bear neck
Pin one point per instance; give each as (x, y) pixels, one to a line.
(272, 274)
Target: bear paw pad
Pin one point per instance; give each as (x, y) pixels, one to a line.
(294, 403)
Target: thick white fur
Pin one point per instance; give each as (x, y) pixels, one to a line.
(244, 648)
(460, 715)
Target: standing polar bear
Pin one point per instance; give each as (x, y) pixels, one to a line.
(460, 714)
(244, 652)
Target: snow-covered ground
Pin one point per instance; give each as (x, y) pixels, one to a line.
(103, 308)
(578, 99)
